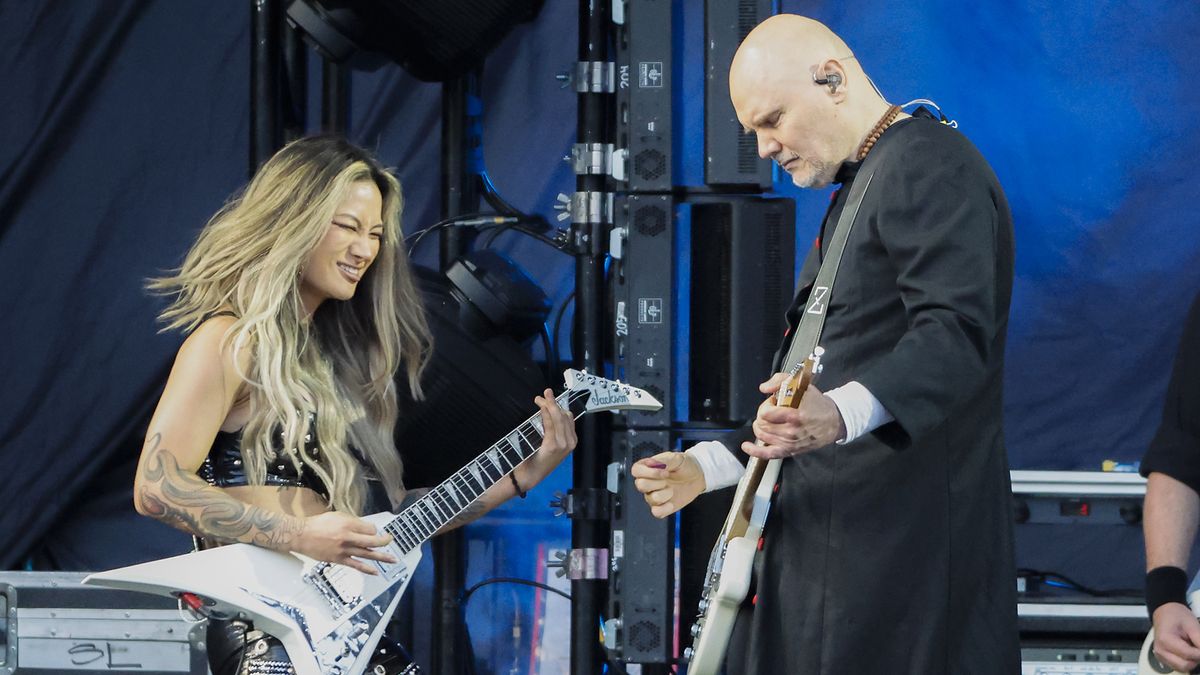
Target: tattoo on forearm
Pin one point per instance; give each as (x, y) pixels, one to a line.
(473, 512)
(184, 500)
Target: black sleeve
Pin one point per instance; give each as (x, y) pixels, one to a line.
(1175, 449)
(939, 222)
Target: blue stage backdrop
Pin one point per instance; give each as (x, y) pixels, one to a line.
(124, 125)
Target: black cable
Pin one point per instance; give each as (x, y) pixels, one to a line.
(465, 596)
(492, 196)
(615, 665)
(1041, 575)
(496, 232)
(559, 242)
(551, 357)
(466, 218)
(562, 311)
(245, 646)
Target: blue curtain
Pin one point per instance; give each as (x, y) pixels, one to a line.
(124, 125)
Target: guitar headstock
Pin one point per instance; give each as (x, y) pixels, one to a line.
(606, 394)
(798, 380)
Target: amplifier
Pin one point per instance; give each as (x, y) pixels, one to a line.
(642, 308)
(742, 281)
(1072, 633)
(50, 623)
(1085, 525)
(730, 156)
(641, 582)
(644, 91)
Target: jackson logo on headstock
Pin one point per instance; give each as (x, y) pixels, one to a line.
(602, 398)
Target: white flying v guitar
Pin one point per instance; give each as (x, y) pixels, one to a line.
(731, 565)
(330, 617)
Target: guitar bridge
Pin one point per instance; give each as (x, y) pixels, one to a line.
(339, 596)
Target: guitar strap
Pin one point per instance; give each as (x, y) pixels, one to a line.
(812, 320)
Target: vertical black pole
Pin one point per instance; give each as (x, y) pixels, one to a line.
(459, 196)
(335, 97)
(295, 80)
(590, 530)
(264, 81)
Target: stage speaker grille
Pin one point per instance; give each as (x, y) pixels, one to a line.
(743, 253)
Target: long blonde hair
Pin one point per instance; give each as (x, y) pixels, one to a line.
(337, 367)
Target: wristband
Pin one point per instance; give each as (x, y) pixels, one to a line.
(513, 477)
(1163, 585)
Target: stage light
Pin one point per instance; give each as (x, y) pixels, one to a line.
(435, 40)
(480, 381)
(496, 296)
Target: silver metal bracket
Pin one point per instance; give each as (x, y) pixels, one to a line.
(586, 208)
(581, 563)
(599, 159)
(611, 630)
(592, 158)
(616, 249)
(619, 166)
(618, 12)
(595, 77)
(614, 473)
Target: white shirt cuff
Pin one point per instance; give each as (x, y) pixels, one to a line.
(861, 411)
(721, 469)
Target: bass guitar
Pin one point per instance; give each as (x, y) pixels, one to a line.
(330, 617)
(731, 564)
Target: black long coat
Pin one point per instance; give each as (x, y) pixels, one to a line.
(894, 553)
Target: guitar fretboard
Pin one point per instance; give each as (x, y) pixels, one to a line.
(424, 517)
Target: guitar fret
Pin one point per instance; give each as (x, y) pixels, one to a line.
(441, 504)
(534, 437)
(510, 458)
(474, 469)
(491, 474)
(450, 496)
(422, 519)
(494, 455)
(404, 536)
(412, 533)
(516, 442)
(409, 529)
(448, 509)
(458, 483)
(431, 508)
(431, 518)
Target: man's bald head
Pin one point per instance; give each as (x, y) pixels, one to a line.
(809, 129)
(783, 48)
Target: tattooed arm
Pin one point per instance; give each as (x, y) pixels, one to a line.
(176, 496)
(196, 402)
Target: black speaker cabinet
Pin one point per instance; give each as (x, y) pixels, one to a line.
(743, 269)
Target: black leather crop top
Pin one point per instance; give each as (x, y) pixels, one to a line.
(224, 466)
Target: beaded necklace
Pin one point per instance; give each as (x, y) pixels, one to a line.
(880, 126)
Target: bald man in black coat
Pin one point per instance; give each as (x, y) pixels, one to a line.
(889, 547)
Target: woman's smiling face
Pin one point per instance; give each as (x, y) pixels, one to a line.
(338, 263)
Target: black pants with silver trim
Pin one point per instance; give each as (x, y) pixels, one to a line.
(235, 647)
